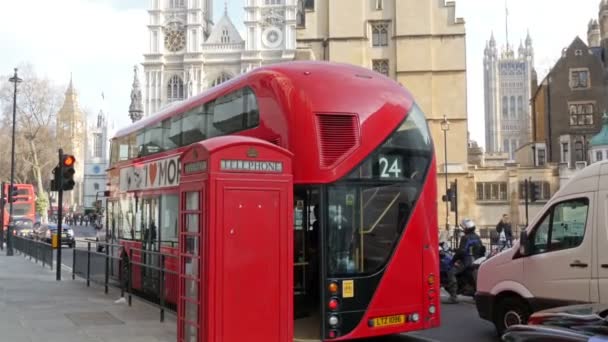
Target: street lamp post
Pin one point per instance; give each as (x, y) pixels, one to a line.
(9, 239)
(445, 127)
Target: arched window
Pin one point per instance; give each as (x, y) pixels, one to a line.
(96, 186)
(505, 106)
(380, 33)
(225, 36)
(579, 153)
(512, 106)
(520, 106)
(175, 89)
(223, 77)
(176, 3)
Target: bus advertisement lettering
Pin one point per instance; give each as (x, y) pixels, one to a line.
(162, 173)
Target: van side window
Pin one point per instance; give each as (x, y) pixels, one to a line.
(563, 227)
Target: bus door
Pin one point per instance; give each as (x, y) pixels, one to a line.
(307, 284)
(150, 214)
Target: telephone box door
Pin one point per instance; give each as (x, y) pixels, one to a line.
(251, 268)
(190, 242)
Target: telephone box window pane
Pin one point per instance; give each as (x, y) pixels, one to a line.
(191, 266)
(191, 312)
(191, 289)
(192, 223)
(190, 332)
(191, 245)
(192, 201)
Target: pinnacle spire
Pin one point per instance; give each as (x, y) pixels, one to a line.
(226, 7)
(136, 108)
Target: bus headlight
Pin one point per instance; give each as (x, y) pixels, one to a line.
(432, 309)
(414, 317)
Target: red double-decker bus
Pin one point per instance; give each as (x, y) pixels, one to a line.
(24, 205)
(365, 212)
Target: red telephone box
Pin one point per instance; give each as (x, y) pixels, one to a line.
(236, 242)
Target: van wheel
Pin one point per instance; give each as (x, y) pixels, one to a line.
(510, 311)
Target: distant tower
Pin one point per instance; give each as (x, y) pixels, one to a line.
(97, 155)
(593, 34)
(71, 137)
(507, 89)
(136, 111)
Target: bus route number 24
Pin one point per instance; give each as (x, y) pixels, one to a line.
(390, 167)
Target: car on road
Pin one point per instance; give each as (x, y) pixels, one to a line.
(46, 232)
(586, 322)
(23, 227)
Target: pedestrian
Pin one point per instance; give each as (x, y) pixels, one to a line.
(505, 232)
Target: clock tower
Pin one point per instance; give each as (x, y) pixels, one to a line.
(271, 31)
(173, 62)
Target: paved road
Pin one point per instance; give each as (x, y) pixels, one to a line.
(80, 233)
(459, 322)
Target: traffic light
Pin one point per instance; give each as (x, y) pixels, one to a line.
(56, 181)
(453, 197)
(13, 194)
(67, 172)
(534, 191)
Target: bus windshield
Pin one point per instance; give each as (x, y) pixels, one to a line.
(368, 209)
(22, 209)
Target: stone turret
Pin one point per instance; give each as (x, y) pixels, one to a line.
(593, 33)
(136, 109)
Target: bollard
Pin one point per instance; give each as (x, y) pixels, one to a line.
(74, 264)
(162, 287)
(129, 269)
(107, 275)
(88, 263)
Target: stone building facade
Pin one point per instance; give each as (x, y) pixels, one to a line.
(188, 53)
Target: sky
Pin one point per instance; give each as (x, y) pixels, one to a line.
(99, 41)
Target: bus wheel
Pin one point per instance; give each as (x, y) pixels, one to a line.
(510, 311)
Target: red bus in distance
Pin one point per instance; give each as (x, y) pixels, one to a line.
(365, 212)
(24, 205)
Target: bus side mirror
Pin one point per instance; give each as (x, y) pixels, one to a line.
(524, 244)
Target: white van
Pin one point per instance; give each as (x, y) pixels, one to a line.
(561, 258)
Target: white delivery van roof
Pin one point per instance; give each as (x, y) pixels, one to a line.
(592, 178)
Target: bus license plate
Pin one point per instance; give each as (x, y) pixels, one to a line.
(389, 320)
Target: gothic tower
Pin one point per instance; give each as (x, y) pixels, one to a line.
(97, 157)
(173, 62)
(593, 34)
(490, 76)
(507, 88)
(71, 138)
(271, 30)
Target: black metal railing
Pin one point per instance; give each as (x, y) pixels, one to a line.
(36, 250)
(111, 265)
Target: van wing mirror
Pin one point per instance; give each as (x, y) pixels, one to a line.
(524, 243)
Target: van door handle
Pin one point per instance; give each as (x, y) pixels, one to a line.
(604, 265)
(577, 263)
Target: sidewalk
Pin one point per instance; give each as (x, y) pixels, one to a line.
(34, 307)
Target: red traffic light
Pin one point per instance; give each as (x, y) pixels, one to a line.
(68, 161)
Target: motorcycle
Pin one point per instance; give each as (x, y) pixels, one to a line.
(467, 280)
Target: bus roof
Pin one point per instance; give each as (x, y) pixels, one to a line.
(337, 72)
